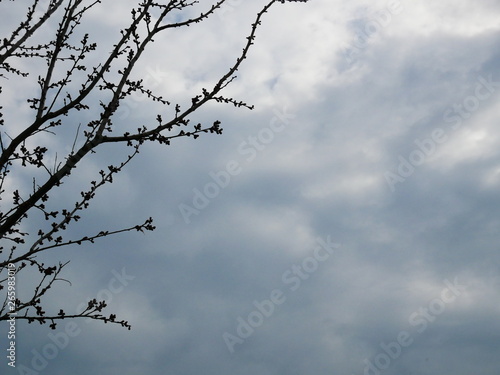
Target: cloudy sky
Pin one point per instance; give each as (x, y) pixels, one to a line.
(348, 225)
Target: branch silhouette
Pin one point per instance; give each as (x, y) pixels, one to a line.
(66, 85)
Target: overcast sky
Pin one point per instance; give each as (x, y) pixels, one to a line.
(349, 225)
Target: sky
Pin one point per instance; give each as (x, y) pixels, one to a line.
(349, 224)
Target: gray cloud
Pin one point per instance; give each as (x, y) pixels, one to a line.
(323, 175)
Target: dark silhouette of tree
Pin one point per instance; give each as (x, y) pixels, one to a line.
(71, 76)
